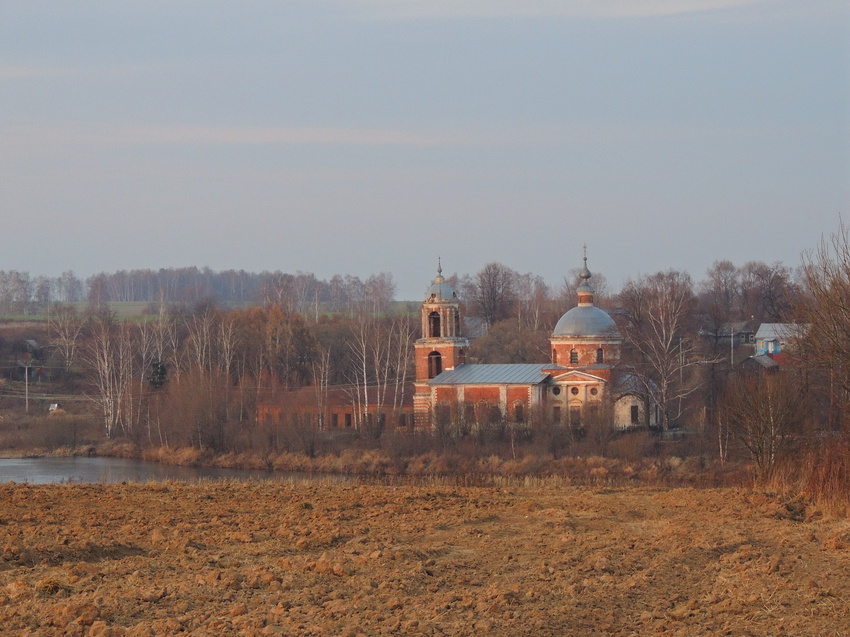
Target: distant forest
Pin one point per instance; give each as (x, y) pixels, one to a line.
(760, 291)
(23, 294)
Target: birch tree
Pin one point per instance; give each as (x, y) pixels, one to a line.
(766, 413)
(101, 356)
(657, 321)
(321, 372)
(66, 327)
(382, 353)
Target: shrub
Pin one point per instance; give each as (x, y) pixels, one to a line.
(822, 476)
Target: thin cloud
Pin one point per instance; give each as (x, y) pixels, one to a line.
(410, 9)
(12, 72)
(265, 135)
(151, 134)
(29, 72)
(37, 141)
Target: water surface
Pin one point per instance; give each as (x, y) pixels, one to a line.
(113, 470)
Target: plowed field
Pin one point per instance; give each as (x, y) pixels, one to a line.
(347, 559)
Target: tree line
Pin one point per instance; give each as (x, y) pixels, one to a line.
(24, 294)
(196, 378)
(756, 290)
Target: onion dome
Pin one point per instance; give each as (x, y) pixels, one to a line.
(585, 319)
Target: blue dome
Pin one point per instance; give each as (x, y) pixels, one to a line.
(440, 290)
(587, 320)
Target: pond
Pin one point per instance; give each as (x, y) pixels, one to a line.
(113, 470)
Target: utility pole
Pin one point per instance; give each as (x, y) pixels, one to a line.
(27, 385)
(731, 347)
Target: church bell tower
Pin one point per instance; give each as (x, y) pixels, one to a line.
(442, 347)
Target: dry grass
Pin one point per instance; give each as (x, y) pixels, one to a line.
(378, 464)
(820, 475)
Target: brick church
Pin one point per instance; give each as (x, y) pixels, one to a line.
(582, 384)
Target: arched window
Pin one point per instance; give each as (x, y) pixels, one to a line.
(519, 412)
(482, 412)
(600, 356)
(573, 357)
(443, 414)
(495, 415)
(434, 324)
(435, 364)
(461, 356)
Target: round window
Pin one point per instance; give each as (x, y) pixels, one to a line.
(574, 391)
(556, 390)
(593, 391)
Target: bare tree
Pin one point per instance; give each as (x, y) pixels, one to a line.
(69, 288)
(380, 291)
(509, 342)
(720, 299)
(15, 291)
(359, 344)
(98, 291)
(291, 292)
(66, 328)
(382, 349)
(765, 413)
(722, 286)
(103, 359)
(202, 331)
(290, 347)
(403, 334)
(827, 319)
(768, 291)
(491, 293)
(657, 320)
(159, 346)
(532, 298)
(321, 368)
(43, 292)
(354, 293)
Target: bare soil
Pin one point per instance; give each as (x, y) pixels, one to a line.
(351, 559)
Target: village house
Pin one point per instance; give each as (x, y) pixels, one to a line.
(776, 339)
(776, 345)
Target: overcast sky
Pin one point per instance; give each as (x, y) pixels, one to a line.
(364, 136)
